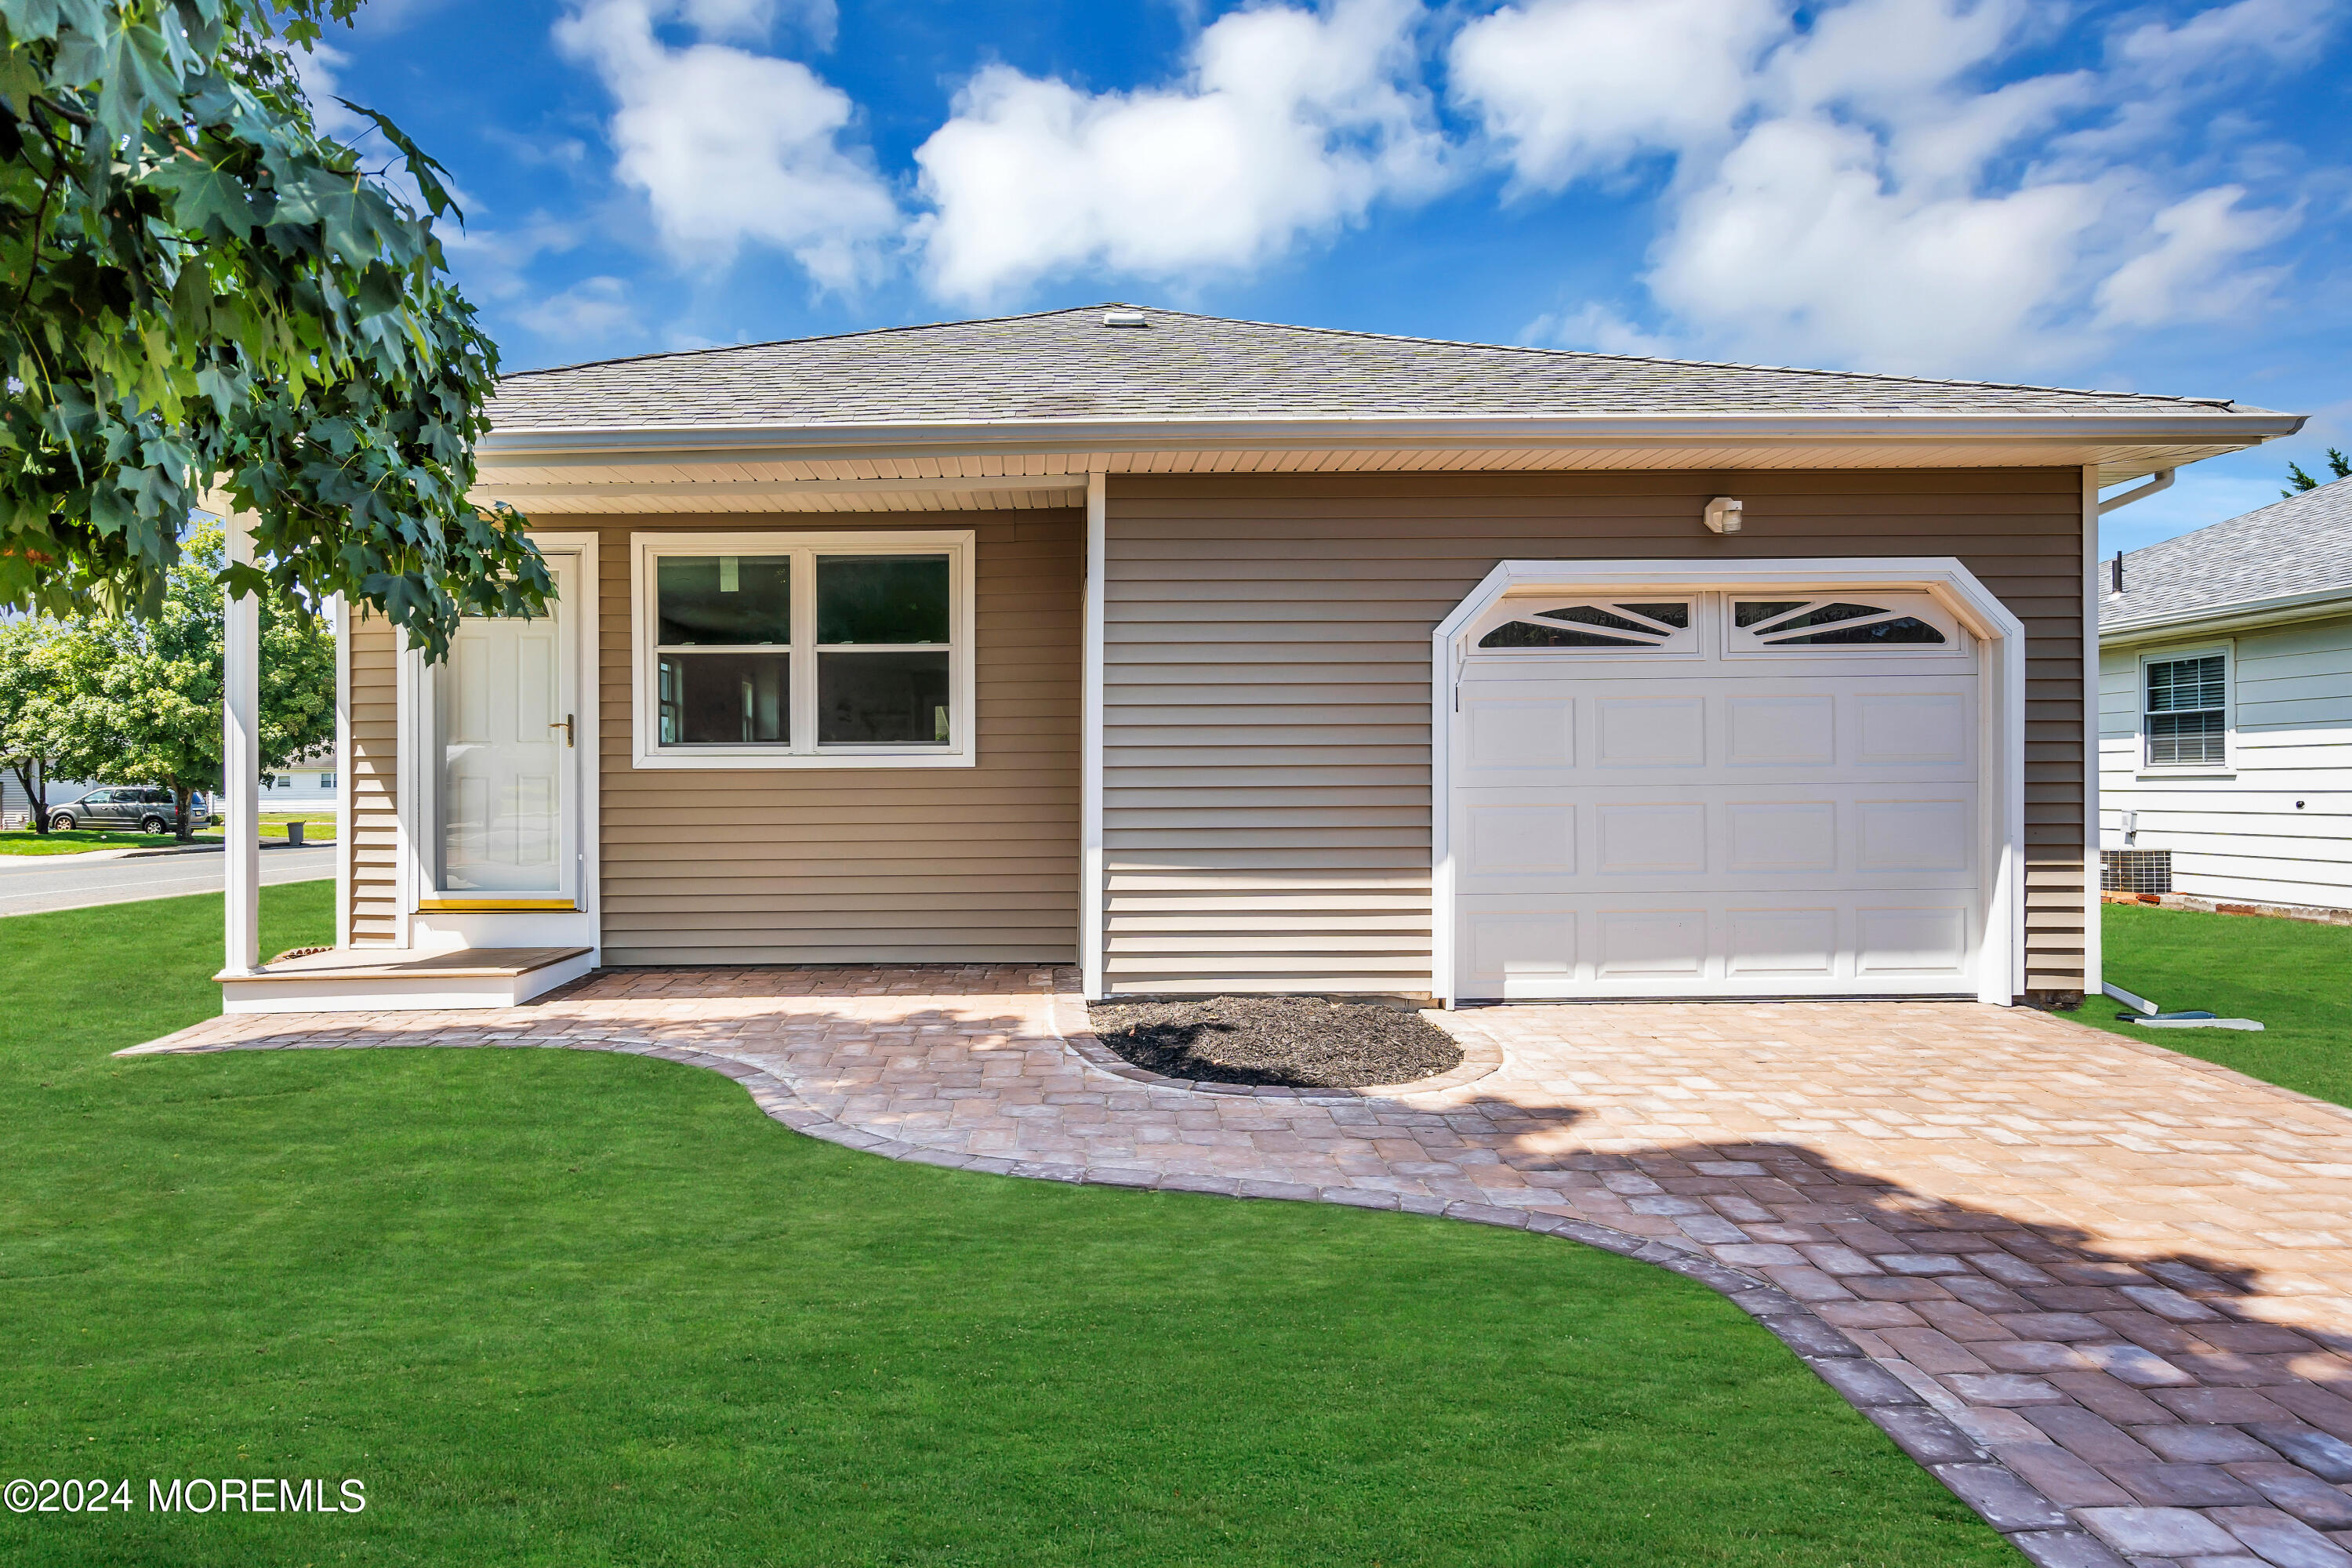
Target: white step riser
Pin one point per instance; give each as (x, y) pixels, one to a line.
(426, 993)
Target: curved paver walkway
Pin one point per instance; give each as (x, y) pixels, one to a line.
(2103, 1292)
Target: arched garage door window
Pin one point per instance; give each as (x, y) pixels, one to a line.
(1602, 625)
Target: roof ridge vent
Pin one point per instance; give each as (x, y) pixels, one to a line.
(1125, 319)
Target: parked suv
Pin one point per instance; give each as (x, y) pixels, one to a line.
(142, 806)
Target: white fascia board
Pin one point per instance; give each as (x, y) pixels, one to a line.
(2241, 614)
(563, 489)
(530, 447)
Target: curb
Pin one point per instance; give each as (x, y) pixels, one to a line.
(2018, 1511)
(211, 849)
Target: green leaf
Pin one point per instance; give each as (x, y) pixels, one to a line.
(423, 169)
(208, 293)
(206, 197)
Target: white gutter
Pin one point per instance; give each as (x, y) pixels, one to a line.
(520, 447)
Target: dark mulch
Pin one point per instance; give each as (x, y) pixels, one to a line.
(1303, 1042)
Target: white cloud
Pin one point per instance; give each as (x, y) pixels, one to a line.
(1846, 187)
(1287, 122)
(2187, 275)
(729, 145)
(2225, 36)
(593, 310)
(1576, 87)
(1797, 248)
(752, 21)
(494, 262)
(1892, 59)
(1598, 329)
(2158, 72)
(319, 68)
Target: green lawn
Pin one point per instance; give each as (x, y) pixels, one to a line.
(554, 1308)
(82, 840)
(2292, 976)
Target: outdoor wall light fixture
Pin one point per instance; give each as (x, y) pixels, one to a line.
(1723, 514)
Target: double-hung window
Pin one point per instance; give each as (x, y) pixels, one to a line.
(2186, 711)
(785, 649)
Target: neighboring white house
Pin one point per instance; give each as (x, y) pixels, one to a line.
(2225, 708)
(311, 782)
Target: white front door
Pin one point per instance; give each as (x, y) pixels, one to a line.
(1717, 794)
(504, 760)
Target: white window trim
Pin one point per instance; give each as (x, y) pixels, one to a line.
(964, 720)
(2001, 960)
(2227, 766)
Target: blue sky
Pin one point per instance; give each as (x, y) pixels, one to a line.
(2147, 196)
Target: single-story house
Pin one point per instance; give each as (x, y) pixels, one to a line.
(2225, 700)
(1212, 656)
(307, 785)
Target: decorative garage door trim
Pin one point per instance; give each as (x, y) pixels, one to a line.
(1606, 587)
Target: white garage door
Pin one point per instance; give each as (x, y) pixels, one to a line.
(1717, 794)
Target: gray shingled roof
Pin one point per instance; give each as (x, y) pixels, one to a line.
(2299, 545)
(1066, 364)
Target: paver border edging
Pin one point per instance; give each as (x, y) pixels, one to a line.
(1076, 1030)
(2015, 1508)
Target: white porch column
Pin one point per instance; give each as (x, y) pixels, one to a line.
(241, 758)
(1091, 746)
(340, 609)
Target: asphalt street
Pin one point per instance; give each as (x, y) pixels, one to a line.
(32, 883)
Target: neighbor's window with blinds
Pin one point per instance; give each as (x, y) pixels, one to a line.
(2186, 717)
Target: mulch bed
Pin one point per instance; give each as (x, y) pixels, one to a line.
(1298, 1042)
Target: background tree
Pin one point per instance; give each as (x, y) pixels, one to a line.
(142, 700)
(199, 293)
(32, 683)
(2338, 464)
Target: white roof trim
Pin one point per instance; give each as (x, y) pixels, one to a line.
(2201, 618)
(2166, 425)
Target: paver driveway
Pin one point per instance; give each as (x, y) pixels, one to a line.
(2123, 1278)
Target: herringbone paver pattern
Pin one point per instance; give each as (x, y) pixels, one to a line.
(2124, 1275)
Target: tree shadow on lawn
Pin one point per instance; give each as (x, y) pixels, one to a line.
(1902, 1300)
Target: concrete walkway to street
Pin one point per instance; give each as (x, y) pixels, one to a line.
(30, 884)
(2101, 1291)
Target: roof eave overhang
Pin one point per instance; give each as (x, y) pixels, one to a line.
(539, 448)
(2241, 614)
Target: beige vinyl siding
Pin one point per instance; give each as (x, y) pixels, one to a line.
(2275, 824)
(1266, 810)
(374, 740)
(863, 865)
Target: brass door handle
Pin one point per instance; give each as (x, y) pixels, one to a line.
(564, 724)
